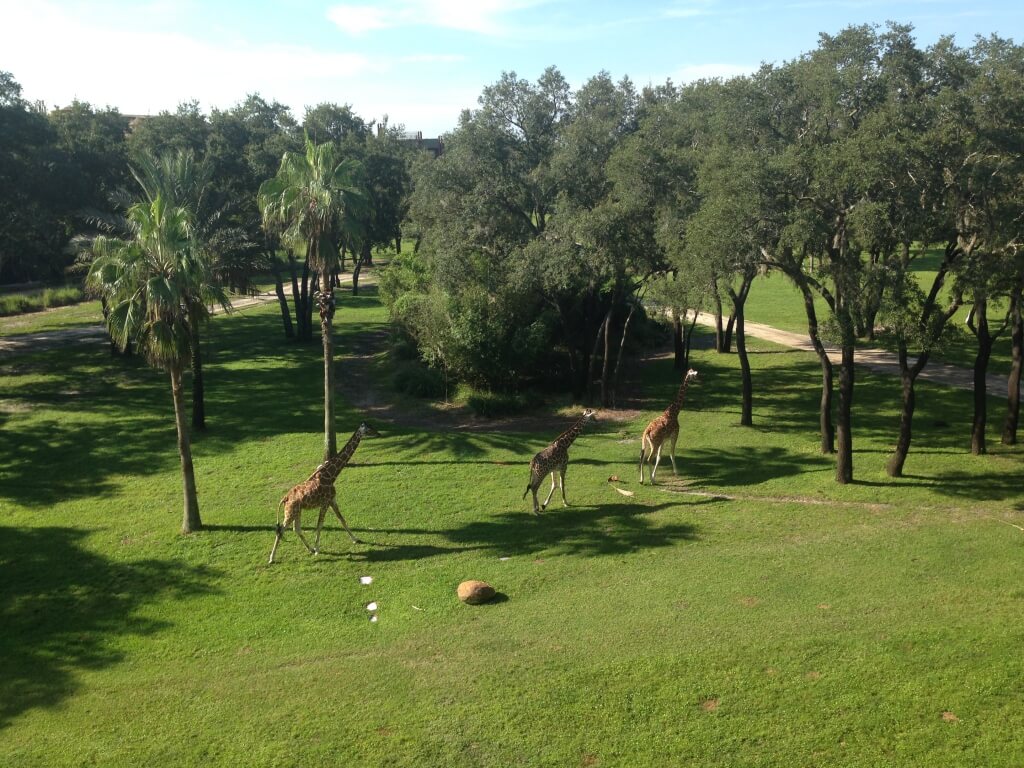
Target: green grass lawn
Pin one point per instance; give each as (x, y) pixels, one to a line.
(775, 301)
(749, 613)
(58, 318)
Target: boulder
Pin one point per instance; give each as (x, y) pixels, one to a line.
(475, 591)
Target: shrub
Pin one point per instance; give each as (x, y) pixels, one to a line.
(20, 303)
(418, 380)
(494, 405)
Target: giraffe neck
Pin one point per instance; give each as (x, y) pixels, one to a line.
(565, 439)
(331, 468)
(680, 395)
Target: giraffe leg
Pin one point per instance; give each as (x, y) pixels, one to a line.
(319, 527)
(298, 530)
(672, 452)
(277, 540)
(643, 450)
(550, 493)
(536, 506)
(334, 506)
(657, 461)
(561, 486)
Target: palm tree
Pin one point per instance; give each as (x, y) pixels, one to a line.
(184, 182)
(306, 203)
(153, 280)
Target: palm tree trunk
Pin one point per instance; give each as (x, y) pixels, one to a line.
(326, 330)
(190, 520)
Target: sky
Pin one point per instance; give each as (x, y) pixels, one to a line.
(421, 62)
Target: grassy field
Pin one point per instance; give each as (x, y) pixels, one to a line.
(58, 318)
(748, 613)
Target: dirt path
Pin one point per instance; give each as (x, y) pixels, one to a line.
(876, 360)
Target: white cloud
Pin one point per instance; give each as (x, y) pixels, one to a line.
(485, 17)
(144, 72)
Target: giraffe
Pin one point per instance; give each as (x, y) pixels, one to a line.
(318, 491)
(553, 460)
(665, 427)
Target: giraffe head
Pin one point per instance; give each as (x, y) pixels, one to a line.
(365, 430)
(690, 375)
(589, 415)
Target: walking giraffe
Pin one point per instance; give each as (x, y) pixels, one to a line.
(318, 491)
(554, 459)
(665, 427)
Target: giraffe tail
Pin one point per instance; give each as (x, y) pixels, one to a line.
(526, 491)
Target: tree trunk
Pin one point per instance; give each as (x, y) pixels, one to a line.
(591, 365)
(605, 401)
(738, 302)
(908, 377)
(282, 300)
(296, 294)
(985, 341)
(326, 330)
(828, 444)
(844, 434)
(719, 330)
(305, 323)
(618, 359)
(930, 325)
(190, 520)
(198, 390)
(357, 268)
(688, 339)
(314, 281)
(727, 337)
(679, 351)
(1013, 385)
(398, 244)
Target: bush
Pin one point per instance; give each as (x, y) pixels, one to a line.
(20, 303)
(494, 405)
(418, 381)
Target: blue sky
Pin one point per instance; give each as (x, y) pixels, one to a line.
(420, 61)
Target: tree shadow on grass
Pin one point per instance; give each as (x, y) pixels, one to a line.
(608, 529)
(746, 466)
(62, 607)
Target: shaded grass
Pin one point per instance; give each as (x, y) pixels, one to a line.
(664, 628)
